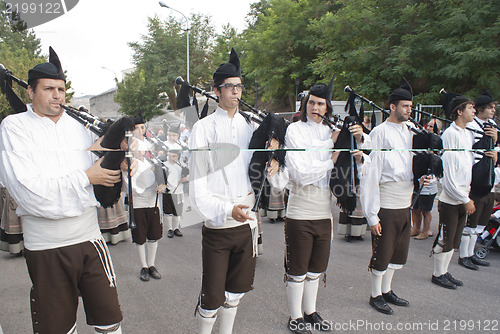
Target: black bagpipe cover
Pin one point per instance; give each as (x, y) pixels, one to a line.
(340, 178)
(272, 126)
(427, 140)
(108, 196)
(6, 87)
(161, 173)
(425, 162)
(483, 172)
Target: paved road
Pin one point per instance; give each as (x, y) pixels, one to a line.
(167, 305)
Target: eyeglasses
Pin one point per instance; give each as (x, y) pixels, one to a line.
(231, 86)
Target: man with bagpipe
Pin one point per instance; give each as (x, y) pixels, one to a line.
(454, 203)
(47, 166)
(386, 193)
(483, 178)
(308, 223)
(220, 190)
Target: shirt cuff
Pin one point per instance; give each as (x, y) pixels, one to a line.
(83, 178)
(373, 220)
(229, 209)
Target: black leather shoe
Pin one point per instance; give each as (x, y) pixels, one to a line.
(153, 272)
(298, 326)
(170, 233)
(380, 305)
(453, 280)
(391, 297)
(178, 233)
(317, 322)
(144, 274)
(443, 281)
(478, 261)
(467, 263)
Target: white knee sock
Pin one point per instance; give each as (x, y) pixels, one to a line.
(141, 250)
(226, 319)
(464, 246)
(449, 255)
(295, 292)
(206, 321)
(167, 220)
(376, 282)
(472, 244)
(387, 280)
(151, 247)
(176, 222)
(440, 264)
(311, 285)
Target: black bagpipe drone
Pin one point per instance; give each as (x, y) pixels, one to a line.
(271, 126)
(426, 144)
(112, 133)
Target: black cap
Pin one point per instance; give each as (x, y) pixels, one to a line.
(175, 128)
(483, 99)
(404, 92)
(50, 70)
(139, 119)
(322, 90)
(228, 70)
(452, 101)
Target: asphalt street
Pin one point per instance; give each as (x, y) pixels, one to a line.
(167, 305)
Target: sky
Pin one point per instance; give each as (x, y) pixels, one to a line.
(92, 39)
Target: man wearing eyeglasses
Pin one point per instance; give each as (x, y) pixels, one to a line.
(220, 190)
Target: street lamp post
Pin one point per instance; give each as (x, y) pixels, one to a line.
(162, 4)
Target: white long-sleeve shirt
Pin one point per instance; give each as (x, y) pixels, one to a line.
(457, 165)
(43, 165)
(309, 171)
(174, 177)
(219, 178)
(143, 185)
(388, 180)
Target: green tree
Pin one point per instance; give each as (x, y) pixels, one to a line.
(280, 49)
(136, 92)
(450, 43)
(160, 57)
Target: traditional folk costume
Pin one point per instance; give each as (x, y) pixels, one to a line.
(146, 213)
(484, 204)
(386, 192)
(218, 181)
(457, 167)
(11, 225)
(173, 200)
(43, 165)
(113, 222)
(308, 223)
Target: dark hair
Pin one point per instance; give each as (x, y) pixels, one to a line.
(481, 109)
(34, 83)
(461, 107)
(303, 109)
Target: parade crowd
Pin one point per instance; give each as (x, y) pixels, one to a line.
(52, 170)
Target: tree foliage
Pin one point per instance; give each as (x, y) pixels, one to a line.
(160, 57)
(370, 44)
